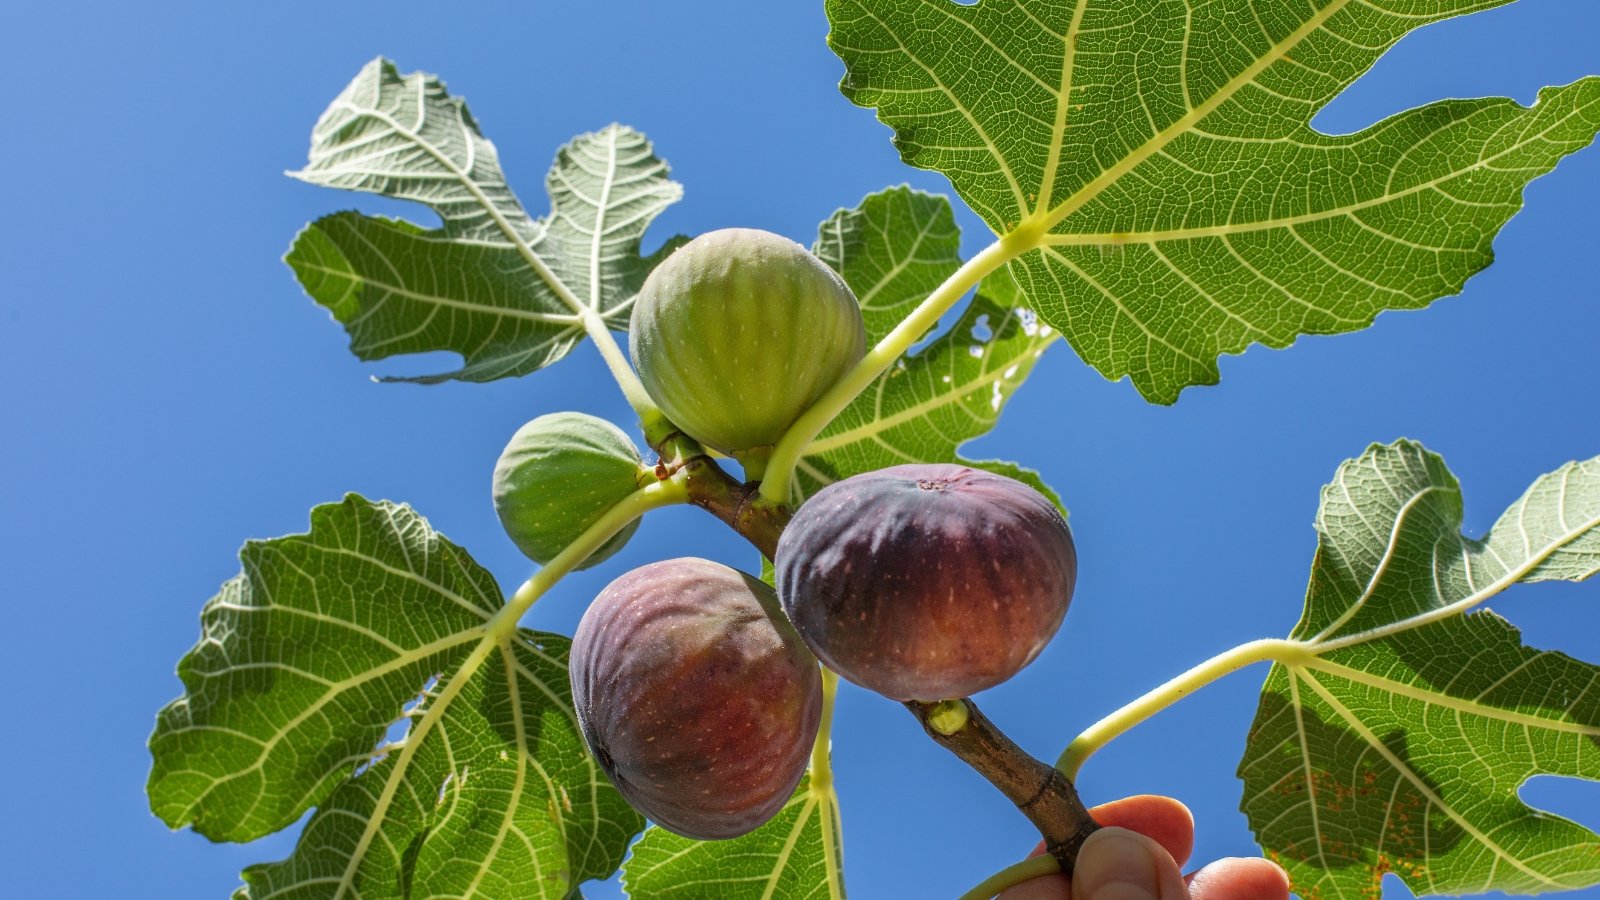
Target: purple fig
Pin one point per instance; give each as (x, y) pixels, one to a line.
(927, 582)
(696, 696)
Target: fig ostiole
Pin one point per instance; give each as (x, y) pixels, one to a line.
(926, 582)
(696, 696)
(738, 332)
(558, 475)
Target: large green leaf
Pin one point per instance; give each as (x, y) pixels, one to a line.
(1395, 732)
(507, 292)
(1154, 167)
(796, 856)
(893, 250)
(305, 661)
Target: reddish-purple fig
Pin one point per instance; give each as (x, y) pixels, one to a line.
(696, 696)
(927, 582)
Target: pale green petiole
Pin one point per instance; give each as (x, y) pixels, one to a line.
(1109, 728)
(651, 419)
(651, 496)
(821, 767)
(792, 446)
(1013, 875)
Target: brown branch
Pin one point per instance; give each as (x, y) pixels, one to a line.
(1038, 789)
(738, 505)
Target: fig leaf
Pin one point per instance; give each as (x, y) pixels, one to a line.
(342, 671)
(796, 856)
(1396, 736)
(504, 290)
(893, 249)
(1154, 167)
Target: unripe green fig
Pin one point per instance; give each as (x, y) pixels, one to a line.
(559, 474)
(739, 332)
(927, 582)
(696, 696)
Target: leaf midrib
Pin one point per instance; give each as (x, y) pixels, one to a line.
(1419, 783)
(1183, 123)
(523, 248)
(1433, 698)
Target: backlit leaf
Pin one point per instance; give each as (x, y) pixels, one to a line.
(793, 857)
(1395, 734)
(307, 660)
(509, 293)
(1154, 167)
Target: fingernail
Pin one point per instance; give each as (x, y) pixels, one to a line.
(1115, 865)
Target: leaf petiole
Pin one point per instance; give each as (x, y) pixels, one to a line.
(1114, 725)
(821, 786)
(651, 420)
(1013, 875)
(645, 499)
(792, 446)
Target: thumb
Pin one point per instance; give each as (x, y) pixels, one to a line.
(1116, 864)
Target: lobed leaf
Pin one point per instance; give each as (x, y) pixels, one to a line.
(1154, 167)
(309, 656)
(893, 250)
(508, 292)
(1396, 735)
(796, 856)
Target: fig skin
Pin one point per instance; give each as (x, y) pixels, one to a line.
(696, 696)
(558, 475)
(738, 332)
(927, 582)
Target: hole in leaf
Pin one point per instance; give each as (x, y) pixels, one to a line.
(1569, 798)
(981, 330)
(400, 727)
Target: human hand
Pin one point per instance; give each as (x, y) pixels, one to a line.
(1137, 855)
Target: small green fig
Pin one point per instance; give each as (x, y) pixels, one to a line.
(739, 332)
(696, 696)
(559, 474)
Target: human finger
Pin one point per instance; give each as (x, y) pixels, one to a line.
(1117, 864)
(1163, 819)
(1240, 879)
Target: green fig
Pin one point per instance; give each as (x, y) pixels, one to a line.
(559, 474)
(739, 332)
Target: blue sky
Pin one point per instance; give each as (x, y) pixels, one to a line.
(168, 392)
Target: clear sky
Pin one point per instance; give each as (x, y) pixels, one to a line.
(167, 392)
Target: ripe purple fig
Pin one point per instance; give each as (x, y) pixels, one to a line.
(927, 582)
(696, 696)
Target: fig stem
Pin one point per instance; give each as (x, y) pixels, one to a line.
(738, 505)
(1039, 790)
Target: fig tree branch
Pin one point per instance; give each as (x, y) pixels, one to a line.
(1042, 793)
(1037, 789)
